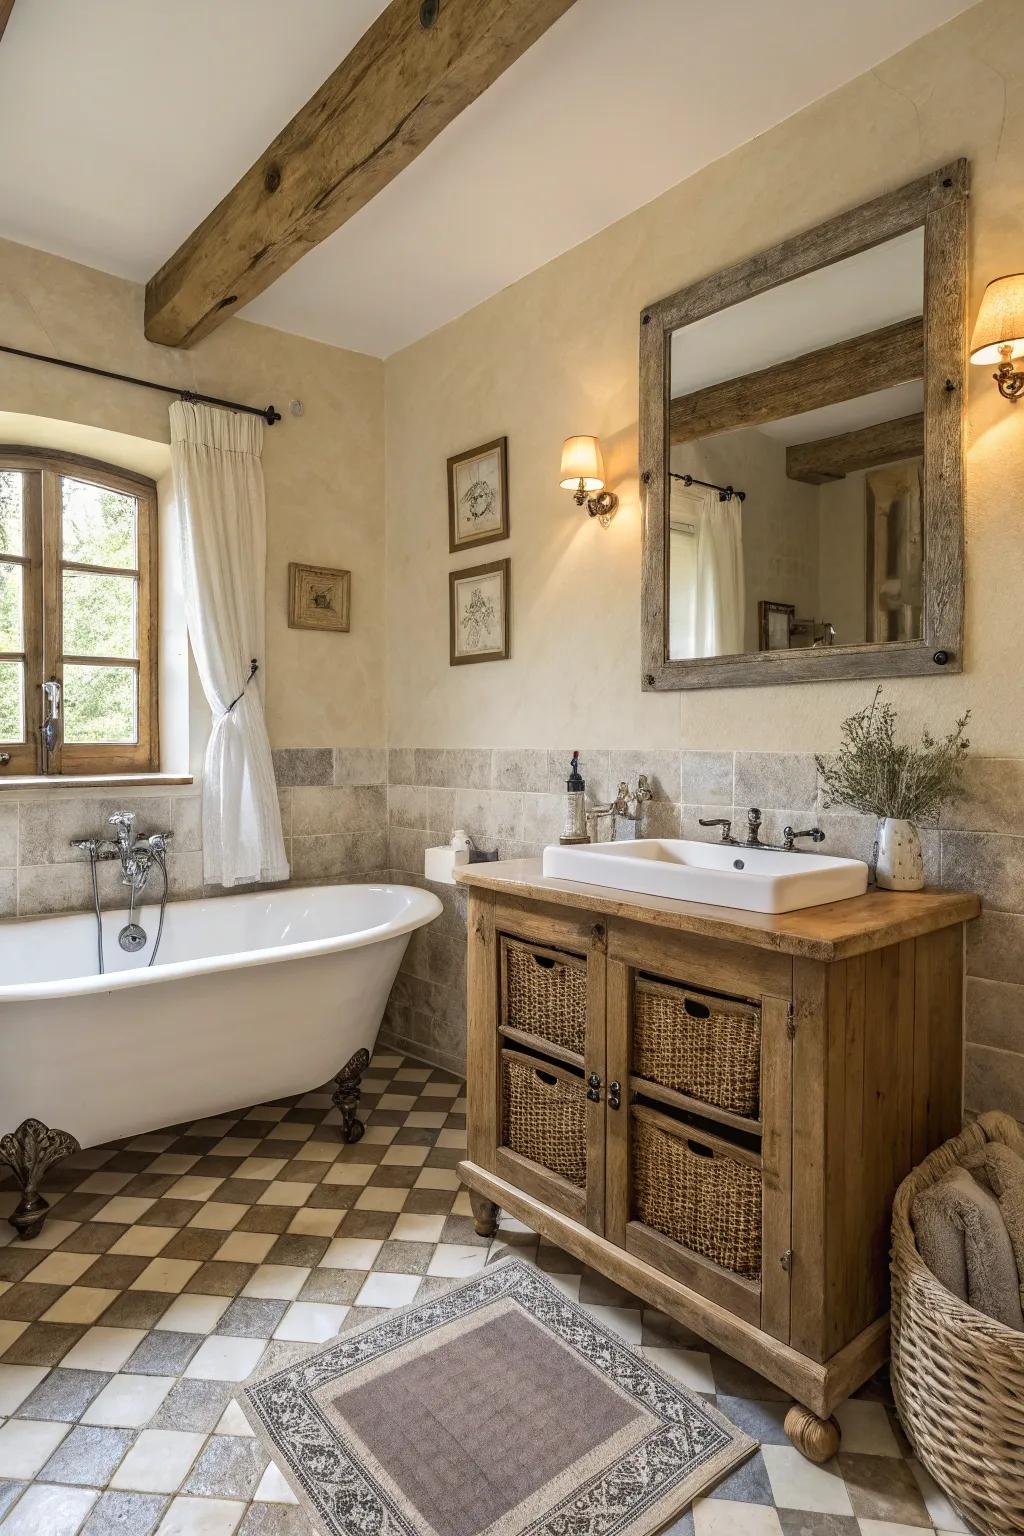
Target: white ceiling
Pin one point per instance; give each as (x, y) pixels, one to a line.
(124, 121)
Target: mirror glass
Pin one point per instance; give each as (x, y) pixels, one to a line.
(796, 440)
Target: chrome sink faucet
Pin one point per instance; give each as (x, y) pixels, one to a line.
(753, 838)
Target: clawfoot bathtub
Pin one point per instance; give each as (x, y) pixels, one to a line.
(252, 997)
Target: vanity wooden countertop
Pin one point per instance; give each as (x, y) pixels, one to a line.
(832, 932)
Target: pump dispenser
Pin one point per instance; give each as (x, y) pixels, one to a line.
(575, 828)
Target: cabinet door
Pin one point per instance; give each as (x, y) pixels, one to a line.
(699, 1187)
(536, 1053)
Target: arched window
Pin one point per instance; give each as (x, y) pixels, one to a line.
(78, 596)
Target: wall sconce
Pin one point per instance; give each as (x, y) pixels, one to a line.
(999, 333)
(582, 473)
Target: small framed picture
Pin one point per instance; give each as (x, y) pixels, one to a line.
(478, 613)
(478, 496)
(319, 597)
(774, 621)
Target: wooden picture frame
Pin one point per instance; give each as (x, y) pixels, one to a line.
(936, 203)
(478, 496)
(319, 597)
(766, 612)
(470, 625)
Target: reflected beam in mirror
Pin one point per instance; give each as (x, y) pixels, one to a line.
(892, 355)
(832, 458)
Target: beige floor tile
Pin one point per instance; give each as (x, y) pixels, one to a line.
(349, 1173)
(50, 1509)
(405, 1157)
(173, 1162)
(16, 1382)
(799, 1484)
(351, 1253)
(55, 1231)
(413, 1228)
(286, 1192)
(193, 1314)
(437, 1178)
(726, 1517)
(194, 1187)
(321, 1151)
(128, 1402)
(220, 1358)
(80, 1304)
(940, 1510)
(260, 1168)
(425, 1119)
(25, 1444)
(201, 1517)
(454, 1140)
(291, 1130)
(273, 1488)
(103, 1349)
(396, 1101)
(165, 1275)
(61, 1268)
(235, 1146)
(218, 1215)
(247, 1247)
(866, 1428)
(143, 1242)
(125, 1209)
(309, 1222)
(379, 1198)
(690, 1367)
(234, 1422)
(311, 1321)
(383, 1290)
(455, 1262)
(380, 1135)
(280, 1282)
(159, 1461)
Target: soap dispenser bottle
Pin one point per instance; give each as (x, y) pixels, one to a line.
(575, 829)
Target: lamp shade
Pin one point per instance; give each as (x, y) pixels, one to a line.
(1000, 320)
(582, 464)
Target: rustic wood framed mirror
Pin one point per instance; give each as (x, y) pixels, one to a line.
(801, 454)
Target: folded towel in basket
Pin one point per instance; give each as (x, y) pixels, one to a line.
(1001, 1169)
(962, 1237)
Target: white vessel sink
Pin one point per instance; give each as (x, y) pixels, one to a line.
(722, 875)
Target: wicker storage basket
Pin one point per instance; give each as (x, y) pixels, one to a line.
(958, 1376)
(686, 1188)
(705, 1046)
(544, 993)
(545, 1115)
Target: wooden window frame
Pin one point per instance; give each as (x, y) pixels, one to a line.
(43, 565)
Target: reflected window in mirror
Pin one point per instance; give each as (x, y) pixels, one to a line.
(820, 441)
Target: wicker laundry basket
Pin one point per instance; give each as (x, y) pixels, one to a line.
(958, 1376)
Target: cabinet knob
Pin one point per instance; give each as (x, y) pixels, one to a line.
(594, 1088)
(614, 1095)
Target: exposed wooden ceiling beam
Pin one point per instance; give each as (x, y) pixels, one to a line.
(400, 86)
(832, 458)
(843, 371)
(6, 7)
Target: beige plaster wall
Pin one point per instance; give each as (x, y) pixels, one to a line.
(324, 470)
(557, 353)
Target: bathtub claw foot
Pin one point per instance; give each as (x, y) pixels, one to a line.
(347, 1088)
(29, 1152)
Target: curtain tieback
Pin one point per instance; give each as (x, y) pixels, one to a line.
(254, 667)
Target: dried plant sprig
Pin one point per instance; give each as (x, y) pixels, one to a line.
(877, 775)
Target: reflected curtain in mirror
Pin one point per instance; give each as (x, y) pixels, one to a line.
(706, 601)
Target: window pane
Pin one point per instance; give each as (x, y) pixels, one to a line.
(99, 704)
(10, 512)
(99, 615)
(10, 607)
(99, 525)
(12, 701)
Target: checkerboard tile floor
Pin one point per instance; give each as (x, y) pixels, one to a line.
(173, 1264)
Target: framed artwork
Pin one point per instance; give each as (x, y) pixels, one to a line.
(319, 597)
(774, 621)
(478, 496)
(478, 613)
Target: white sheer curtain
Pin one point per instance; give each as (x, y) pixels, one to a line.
(706, 586)
(218, 482)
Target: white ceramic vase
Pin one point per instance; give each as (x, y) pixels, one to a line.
(899, 863)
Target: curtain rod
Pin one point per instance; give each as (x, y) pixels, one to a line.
(725, 492)
(268, 413)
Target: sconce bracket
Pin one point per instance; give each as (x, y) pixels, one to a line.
(603, 507)
(1010, 381)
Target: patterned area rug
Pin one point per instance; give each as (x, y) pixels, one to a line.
(500, 1407)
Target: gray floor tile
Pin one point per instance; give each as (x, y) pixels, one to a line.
(796, 1522)
(747, 1484)
(252, 1317)
(229, 1467)
(194, 1405)
(163, 1353)
(10, 1493)
(125, 1514)
(88, 1457)
(762, 1421)
(274, 1520)
(63, 1395)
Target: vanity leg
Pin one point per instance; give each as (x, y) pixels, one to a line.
(345, 1098)
(29, 1152)
(485, 1214)
(817, 1439)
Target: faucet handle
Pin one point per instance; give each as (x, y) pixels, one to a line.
(718, 821)
(124, 821)
(789, 837)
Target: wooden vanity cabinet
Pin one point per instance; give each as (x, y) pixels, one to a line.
(715, 1108)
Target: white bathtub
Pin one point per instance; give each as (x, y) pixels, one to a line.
(251, 997)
